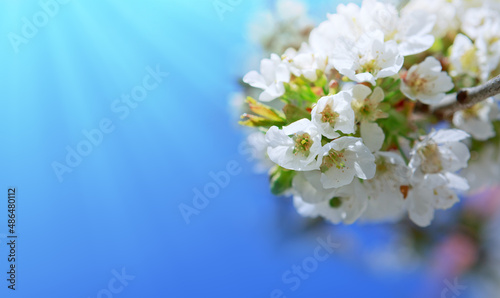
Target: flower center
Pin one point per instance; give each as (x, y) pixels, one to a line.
(363, 109)
(391, 35)
(431, 159)
(303, 143)
(366, 110)
(417, 83)
(329, 116)
(472, 112)
(333, 159)
(469, 60)
(382, 166)
(367, 65)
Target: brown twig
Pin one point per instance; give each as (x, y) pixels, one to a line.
(467, 97)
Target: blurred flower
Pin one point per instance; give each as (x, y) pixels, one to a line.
(484, 169)
(385, 199)
(477, 120)
(310, 189)
(286, 27)
(347, 205)
(367, 59)
(257, 144)
(477, 59)
(447, 22)
(481, 22)
(454, 255)
(305, 63)
(433, 164)
(273, 73)
(411, 30)
(426, 82)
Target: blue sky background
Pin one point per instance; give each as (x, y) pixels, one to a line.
(119, 207)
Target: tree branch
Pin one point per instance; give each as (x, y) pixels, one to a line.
(467, 97)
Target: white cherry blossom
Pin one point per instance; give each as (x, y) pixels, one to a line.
(367, 59)
(411, 30)
(481, 22)
(346, 23)
(296, 146)
(347, 205)
(305, 62)
(288, 25)
(365, 103)
(426, 82)
(373, 136)
(445, 12)
(476, 59)
(463, 57)
(386, 198)
(484, 168)
(477, 120)
(343, 159)
(343, 76)
(255, 148)
(334, 113)
(433, 164)
(273, 73)
(308, 186)
(433, 192)
(440, 151)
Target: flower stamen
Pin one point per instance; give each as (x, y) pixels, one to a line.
(431, 163)
(303, 143)
(329, 116)
(333, 158)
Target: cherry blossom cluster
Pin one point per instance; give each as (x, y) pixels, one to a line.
(347, 118)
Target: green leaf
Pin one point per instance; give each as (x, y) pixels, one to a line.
(265, 111)
(256, 121)
(300, 90)
(294, 113)
(306, 93)
(439, 46)
(394, 126)
(322, 82)
(281, 180)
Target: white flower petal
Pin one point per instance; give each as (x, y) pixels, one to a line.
(351, 158)
(254, 79)
(421, 211)
(457, 182)
(282, 146)
(308, 185)
(372, 135)
(334, 113)
(449, 135)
